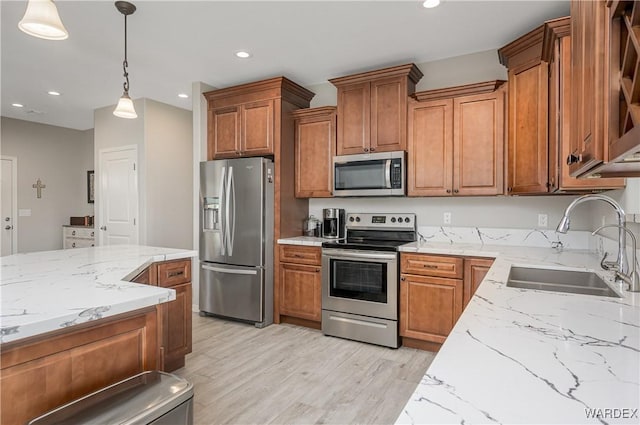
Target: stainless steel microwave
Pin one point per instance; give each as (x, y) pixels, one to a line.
(376, 174)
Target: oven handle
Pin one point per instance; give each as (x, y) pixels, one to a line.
(364, 255)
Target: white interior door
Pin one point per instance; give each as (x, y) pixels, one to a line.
(9, 204)
(118, 196)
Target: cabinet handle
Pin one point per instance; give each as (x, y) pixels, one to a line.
(448, 190)
(429, 266)
(317, 270)
(509, 189)
(574, 159)
(175, 273)
(298, 255)
(403, 278)
(73, 232)
(92, 233)
(456, 191)
(372, 149)
(366, 149)
(73, 245)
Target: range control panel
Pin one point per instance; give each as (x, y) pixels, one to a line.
(381, 221)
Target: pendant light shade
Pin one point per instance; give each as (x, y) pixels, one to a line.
(125, 108)
(42, 20)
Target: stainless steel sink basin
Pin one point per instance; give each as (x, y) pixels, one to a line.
(570, 281)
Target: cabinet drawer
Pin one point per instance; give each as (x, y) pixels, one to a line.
(174, 273)
(78, 243)
(432, 265)
(300, 254)
(78, 232)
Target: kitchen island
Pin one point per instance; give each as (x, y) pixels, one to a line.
(73, 323)
(526, 356)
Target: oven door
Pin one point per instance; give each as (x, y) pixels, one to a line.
(360, 282)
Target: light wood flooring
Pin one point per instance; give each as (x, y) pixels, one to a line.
(286, 374)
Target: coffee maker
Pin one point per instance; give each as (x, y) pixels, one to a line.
(333, 223)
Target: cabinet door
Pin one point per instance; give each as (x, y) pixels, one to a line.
(300, 291)
(176, 329)
(315, 147)
(430, 170)
(589, 83)
(257, 128)
(528, 157)
(478, 143)
(224, 133)
(429, 307)
(354, 104)
(475, 269)
(388, 115)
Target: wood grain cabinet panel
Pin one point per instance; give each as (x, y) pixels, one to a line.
(432, 265)
(372, 109)
(171, 273)
(429, 307)
(475, 269)
(315, 147)
(176, 330)
(456, 141)
(47, 371)
(257, 128)
(301, 291)
(224, 132)
(430, 157)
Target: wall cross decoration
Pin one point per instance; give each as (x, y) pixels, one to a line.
(39, 186)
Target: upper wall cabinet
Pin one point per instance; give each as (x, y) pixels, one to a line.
(539, 118)
(456, 141)
(605, 61)
(372, 109)
(315, 147)
(242, 119)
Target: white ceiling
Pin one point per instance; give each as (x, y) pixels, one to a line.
(174, 43)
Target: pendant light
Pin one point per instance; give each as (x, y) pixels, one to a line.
(41, 20)
(125, 107)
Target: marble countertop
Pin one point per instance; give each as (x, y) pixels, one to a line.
(304, 240)
(524, 356)
(46, 291)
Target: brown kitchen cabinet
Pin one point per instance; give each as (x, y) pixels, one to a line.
(475, 269)
(372, 109)
(456, 141)
(315, 147)
(174, 333)
(430, 305)
(300, 285)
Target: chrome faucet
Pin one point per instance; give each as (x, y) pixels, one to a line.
(621, 265)
(632, 278)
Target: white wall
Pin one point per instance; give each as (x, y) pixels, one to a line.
(60, 157)
(168, 154)
(162, 134)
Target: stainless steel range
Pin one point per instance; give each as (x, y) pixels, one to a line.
(360, 278)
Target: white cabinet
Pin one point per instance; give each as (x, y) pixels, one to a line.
(78, 237)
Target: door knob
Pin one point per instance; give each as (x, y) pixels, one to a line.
(7, 227)
(7, 219)
(103, 227)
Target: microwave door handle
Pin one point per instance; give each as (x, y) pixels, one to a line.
(223, 201)
(387, 174)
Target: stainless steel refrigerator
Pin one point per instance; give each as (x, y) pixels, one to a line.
(236, 239)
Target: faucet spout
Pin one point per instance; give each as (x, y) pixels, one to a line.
(565, 222)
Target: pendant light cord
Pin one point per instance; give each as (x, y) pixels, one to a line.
(125, 64)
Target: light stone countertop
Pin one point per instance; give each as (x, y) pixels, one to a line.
(46, 291)
(304, 240)
(525, 356)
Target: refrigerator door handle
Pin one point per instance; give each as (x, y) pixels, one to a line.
(229, 271)
(223, 201)
(231, 227)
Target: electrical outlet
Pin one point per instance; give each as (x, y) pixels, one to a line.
(447, 218)
(543, 220)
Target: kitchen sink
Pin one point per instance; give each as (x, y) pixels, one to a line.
(569, 281)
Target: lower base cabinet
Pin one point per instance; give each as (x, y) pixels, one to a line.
(174, 333)
(300, 290)
(434, 290)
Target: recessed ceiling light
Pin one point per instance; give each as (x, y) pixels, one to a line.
(17, 105)
(243, 55)
(183, 95)
(429, 4)
(53, 93)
